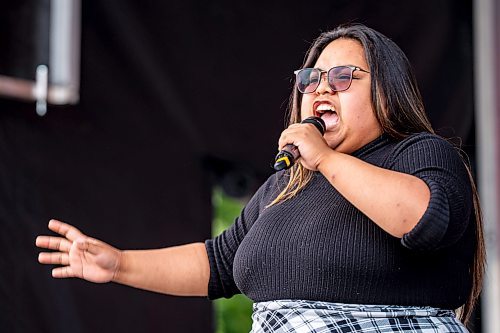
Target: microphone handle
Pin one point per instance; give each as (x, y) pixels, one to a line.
(290, 153)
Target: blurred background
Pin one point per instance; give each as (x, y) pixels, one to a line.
(142, 122)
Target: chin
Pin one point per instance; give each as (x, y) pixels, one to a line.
(334, 146)
(333, 142)
(341, 148)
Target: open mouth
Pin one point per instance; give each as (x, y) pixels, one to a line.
(328, 113)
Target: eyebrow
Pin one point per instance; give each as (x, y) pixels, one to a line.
(345, 65)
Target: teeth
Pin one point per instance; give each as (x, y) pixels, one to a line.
(325, 107)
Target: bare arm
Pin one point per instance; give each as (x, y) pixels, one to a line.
(179, 270)
(394, 201)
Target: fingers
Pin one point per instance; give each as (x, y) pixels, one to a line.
(63, 272)
(65, 229)
(53, 243)
(86, 244)
(298, 134)
(53, 258)
(295, 132)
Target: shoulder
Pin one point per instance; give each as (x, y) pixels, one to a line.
(426, 146)
(276, 180)
(270, 189)
(424, 139)
(423, 152)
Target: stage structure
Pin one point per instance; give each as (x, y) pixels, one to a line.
(50, 73)
(174, 98)
(487, 105)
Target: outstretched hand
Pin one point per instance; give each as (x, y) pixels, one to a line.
(80, 256)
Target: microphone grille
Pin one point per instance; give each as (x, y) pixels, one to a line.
(316, 121)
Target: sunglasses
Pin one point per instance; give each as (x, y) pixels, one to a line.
(339, 78)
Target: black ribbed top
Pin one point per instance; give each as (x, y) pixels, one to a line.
(318, 246)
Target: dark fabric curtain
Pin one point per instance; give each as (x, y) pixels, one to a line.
(177, 96)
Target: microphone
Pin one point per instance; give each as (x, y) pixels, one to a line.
(290, 153)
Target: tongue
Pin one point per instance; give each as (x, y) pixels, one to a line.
(330, 118)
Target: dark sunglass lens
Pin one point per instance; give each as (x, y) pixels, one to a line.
(308, 80)
(340, 78)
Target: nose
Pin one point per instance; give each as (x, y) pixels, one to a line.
(324, 86)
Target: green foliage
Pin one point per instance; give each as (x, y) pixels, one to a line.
(231, 315)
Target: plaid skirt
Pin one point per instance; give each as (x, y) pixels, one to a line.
(298, 316)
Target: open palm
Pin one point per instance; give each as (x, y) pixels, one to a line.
(80, 256)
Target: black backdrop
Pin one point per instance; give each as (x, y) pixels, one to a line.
(177, 96)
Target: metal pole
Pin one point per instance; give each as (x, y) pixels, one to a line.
(487, 142)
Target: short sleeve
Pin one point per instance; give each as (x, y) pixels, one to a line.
(440, 166)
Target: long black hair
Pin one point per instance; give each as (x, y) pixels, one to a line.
(400, 111)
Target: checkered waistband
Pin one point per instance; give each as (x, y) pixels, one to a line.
(299, 316)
